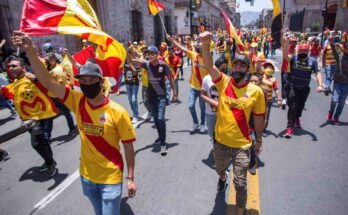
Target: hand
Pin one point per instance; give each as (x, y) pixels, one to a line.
(258, 147)
(169, 38)
(320, 89)
(30, 76)
(206, 37)
(22, 40)
(132, 188)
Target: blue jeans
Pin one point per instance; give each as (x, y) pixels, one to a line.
(329, 71)
(132, 93)
(158, 107)
(193, 95)
(48, 125)
(168, 89)
(105, 198)
(339, 96)
(211, 121)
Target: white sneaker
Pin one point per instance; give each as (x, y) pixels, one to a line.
(135, 120)
(163, 150)
(194, 128)
(202, 129)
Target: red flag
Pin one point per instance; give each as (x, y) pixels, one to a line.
(231, 31)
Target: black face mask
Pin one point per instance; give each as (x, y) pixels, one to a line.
(238, 76)
(91, 90)
(302, 56)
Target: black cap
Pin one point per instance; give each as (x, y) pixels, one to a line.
(90, 69)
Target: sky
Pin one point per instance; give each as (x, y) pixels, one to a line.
(258, 5)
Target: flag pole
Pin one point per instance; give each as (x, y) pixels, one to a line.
(164, 27)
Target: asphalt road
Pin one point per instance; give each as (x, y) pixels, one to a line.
(304, 175)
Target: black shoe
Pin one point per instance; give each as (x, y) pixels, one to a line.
(157, 141)
(43, 168)
(222, 185)
(4, 156)
(51, 170)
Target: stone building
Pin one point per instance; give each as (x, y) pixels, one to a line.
(306, 15)
(125, 20)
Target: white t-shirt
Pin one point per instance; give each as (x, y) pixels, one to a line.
(212, 93)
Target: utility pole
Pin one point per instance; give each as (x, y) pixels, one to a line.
(284, 12)
(323, 13)
(191, 16)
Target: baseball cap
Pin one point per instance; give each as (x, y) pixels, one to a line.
(135, 43)
(153, 49)
(266, 64)
(303, 48)
(90, 69)
(242, 58)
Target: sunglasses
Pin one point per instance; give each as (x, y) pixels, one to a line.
(11, 66)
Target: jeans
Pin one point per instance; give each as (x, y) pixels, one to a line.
(40, 143)
(297, 98)
(176, 84)
(132, 93)
(265, 52)
(145, 98)
(158, 107)
(339, 96)
(6, 104)
(211, 121)
(168, 89)
(273, 53)
(105, 198)
(329, 71)
(283, 80)
(48, 125)
(193, 95)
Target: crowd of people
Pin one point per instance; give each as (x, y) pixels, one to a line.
(235, 95)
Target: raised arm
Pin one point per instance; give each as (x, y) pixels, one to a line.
(175, 43)
(207, 58)
(41, 72)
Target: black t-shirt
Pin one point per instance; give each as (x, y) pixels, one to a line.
(157, 78)
(130, 77)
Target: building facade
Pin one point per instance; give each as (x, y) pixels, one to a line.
(306, 15)
(125, 20)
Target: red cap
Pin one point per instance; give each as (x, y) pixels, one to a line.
(265, 64)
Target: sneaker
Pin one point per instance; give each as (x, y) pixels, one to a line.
(298, 123)
(4, 156)
(252, 170)
(202, 129)
(337, 122)
(43, 167)
(194, 128)
(329, 117)
(148, 116)
(73, 132)
(164, 150)
(284, 104)
(289, 133)
(51, 170)
(135, 120)
(222, 185)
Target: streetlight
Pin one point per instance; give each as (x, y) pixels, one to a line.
(323, 13)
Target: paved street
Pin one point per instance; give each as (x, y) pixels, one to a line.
(304, 175)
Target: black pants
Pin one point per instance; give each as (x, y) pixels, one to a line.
(283, 80)
(40, 143)
(297, 98)
(181, 68)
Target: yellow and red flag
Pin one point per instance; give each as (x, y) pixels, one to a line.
(232, 31)
(277, 24)
(154, 7)
(75, 17)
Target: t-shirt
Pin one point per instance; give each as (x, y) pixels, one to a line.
(101, 128)
(212, 93)
(30, 99)
(198, 70)
(235, 106)
(330, 59)
(130, 77)
(157, 77)
(301, 71)
(269, 84)
(174, 63)
(144, 77)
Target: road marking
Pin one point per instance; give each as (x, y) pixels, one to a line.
(313, 77)
(58, 190)
(253, 202)
(65, 184)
